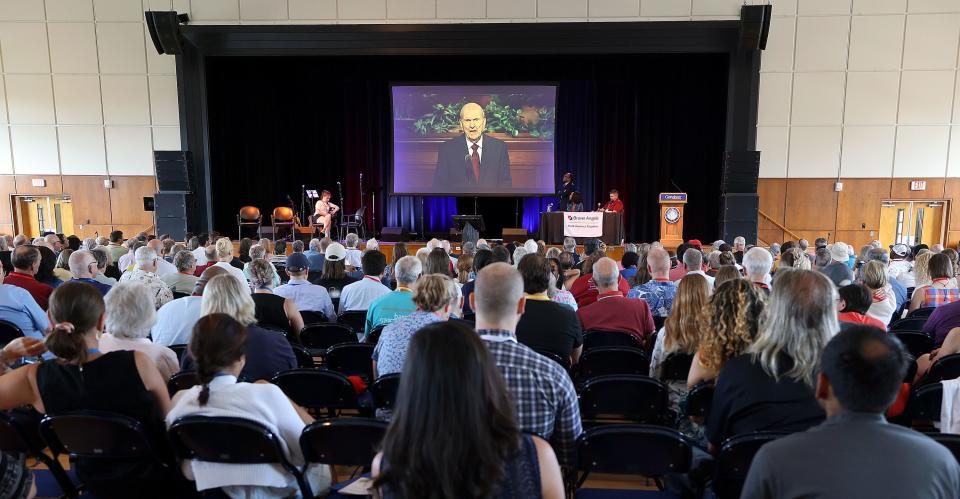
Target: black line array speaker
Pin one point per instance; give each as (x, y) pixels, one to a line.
(740, 171)
(394, 234)
(173, 170)
(755, 26)
(171, 214)
(740, 216)
(176, 227)
(164, 30)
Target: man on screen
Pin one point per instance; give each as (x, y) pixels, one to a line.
(472, 161)
(615, 205)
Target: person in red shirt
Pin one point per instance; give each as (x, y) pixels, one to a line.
(614, 205)
(612, 311)
(26, 262)
(855, 300)
(585, 290)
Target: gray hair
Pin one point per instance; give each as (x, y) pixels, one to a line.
(879, 254)
(184, 261)
(145, 255)
(77, 262)
(630, 248)
(569, 244)
(605, 273)
(257, 252)
(468, 248)
(775, 249)
(757, 262)
(692, 259)
(408, 269)
(801, 318)
(315, 245)
(20, 240)
(803, 244)
(103, 241)
(739, 240)
(130, 310)
(553, 253)
(352, 239)
(88, 243)
(713, 259)
(372, 244)
(519, 253)
(531, 246)
(103, 258)
(297, 246)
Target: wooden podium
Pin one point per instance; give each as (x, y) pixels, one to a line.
(671, 218)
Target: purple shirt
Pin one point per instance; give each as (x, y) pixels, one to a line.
(942, 320)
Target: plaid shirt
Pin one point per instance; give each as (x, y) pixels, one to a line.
(934, 297)
(543, 394)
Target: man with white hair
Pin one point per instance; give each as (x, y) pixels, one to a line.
(612, 311)
(103, 241)
(127, 259)
(482, 244)
(55, 243)
(693, 263)
(20, 240)
(838, 270)
(398, 302)
(757, 263)
(88, 243)
(83, 266)
(315, 255)
(164, 268)
(353, 253)
(129, 315)
(739, 246)
(531, 246)
(936, 248)
(145, 273)
(543, 394)
(659, 291)
(570, 246)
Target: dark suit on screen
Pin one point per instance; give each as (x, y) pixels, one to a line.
(455, 169)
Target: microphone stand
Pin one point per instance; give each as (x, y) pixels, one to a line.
(361, 204)
(342, 206)
(303, 201)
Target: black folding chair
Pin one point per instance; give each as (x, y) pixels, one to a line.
(733, 462)
(183, 380)
(639, 399)
(354, 319)
(231, 441)
(676, 367)
(909, 324)
(597, 339)
(304, 359)
(921, 312)
(950, 441)
(614, 449)
(699, 400)
(9, 332)
(612, 360)
(373, 337)
(923, 407)
(943, 369)
(384, 391)
(351, 359)
(180, 350)
(317, 338)
(915, 342)
(344, 442)
(564, 363)
(310, 317)
(317, 389)
(15, 437)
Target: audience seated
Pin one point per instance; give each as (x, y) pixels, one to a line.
(224, 249)
(454, 432)
(183, 280)
(855, 452)
(199, 248)
(126, 262)
(83, 267)
(757, 263)
(397, 303)
(838, 270)
(116, 247)
(855, 300)
(584, 288)
(129, 317)
(145, 273)
(18, 307)
(546, 325)
(353, 254)
(104, 267)
(883, 300)
(26, 263)
(308, 297)
(269, 351)
(770, 388)
(48, 261)
(612, 311)
(164, 267)
(176, 319)
(273, 311)
(259, 252)
(629, 262)
(726, 273)
(359, 295)
(82, 378)
(334, 276)
(693, 264)
(659, 291)
(481, 259)
(435, 296)
(61, 269)
(315, 255)
(940, 289)
(901, 266)
(221, 346)
(543, 394)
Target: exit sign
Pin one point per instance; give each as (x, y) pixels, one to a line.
(918, 185)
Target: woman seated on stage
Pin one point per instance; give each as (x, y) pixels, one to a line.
(324, 212)
(576, 202)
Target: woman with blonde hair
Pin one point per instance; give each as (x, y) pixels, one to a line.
(874, 276)
(464, 268)
(268, 351)
(730, 322)
(225, 256)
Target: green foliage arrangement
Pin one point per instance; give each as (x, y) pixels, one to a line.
(537, 122)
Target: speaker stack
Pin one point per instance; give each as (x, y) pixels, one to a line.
(739, 215)
(170, 204)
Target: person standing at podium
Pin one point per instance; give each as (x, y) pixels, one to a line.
(614, 205)
(563, 193)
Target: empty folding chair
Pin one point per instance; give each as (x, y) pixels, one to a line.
(384, 391)
(351, 359)
(634, 449)
(354, 319)
(733, 462)
(596, 339)
(916, 342)
(344, 442)
(15, 437)
(230, 440)
(317, 338)
(612, 360)
(317, 389)
(640, 399)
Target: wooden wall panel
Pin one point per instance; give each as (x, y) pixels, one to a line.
(90, 201)
(25, 185)
(855, 238)
(953, 239)
(7, 187)
(772, 193)
(126, 200)
(858, 204)
(900, 188)
(811, 204)
(951, 192)
(93, 230)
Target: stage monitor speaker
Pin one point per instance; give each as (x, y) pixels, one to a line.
(173, 170)
(170, 205)
(175, 226)
(740, 172)
(754, 26)
(514, 235)
(164, 28)
(740, 217)
(394, 234)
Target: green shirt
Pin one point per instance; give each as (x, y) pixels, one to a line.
(388, 307)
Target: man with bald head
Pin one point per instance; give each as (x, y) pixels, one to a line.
(164, 268)
(176, 319)
(543, 395)
(83, 266)
(472, 162)
(612, 311)
(659, 291)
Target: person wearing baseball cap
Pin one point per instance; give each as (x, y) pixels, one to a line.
(310, 298)
(901, 268)
(335, 276)
(838, 269)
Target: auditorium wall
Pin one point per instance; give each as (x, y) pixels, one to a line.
(863, 91)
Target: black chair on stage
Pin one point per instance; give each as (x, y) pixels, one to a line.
(232, 441)
(639, 399)
(384, 390)
(342, 442)
(282, 218)
(353, 221)
(317, 389)
(249, 216)
(354, 319)
(733, 462)
(317, 338)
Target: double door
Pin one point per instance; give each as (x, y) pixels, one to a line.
(912, 222)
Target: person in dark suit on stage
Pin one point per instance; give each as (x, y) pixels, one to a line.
(473, 161)
(563, 194)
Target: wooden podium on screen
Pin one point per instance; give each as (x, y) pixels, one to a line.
(671, 218)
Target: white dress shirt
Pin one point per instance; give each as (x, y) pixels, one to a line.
(125, 261)
(359, 295)
(307, 296)
(479, 148)
(354, 257)
(175, 321)
(201, 255)
(235, 272)
(698, 272)
(165, 268)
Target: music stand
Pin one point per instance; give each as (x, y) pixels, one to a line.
(312, 194)
(469, 227)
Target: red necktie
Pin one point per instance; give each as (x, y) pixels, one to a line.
(475, 159)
